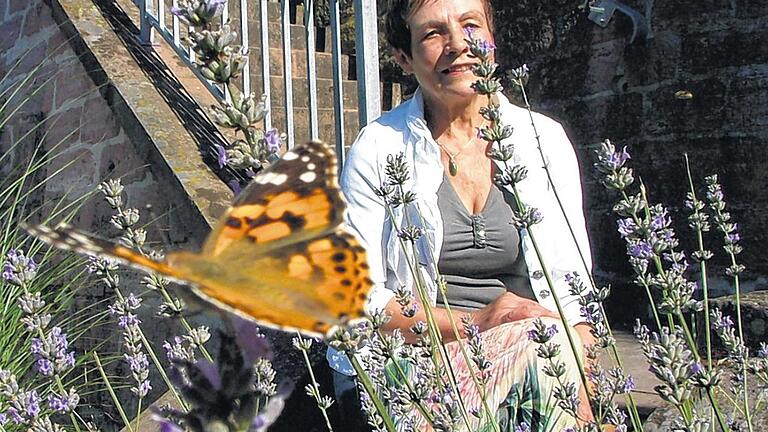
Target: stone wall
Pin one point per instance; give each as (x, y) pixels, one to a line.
(600, 86)
(90, 142)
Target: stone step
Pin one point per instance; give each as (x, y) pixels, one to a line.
(301, 93)
(275, 29)
(326, 124)
(390, 92)
(636, 366)
(323, 64)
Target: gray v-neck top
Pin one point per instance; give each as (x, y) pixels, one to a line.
(481, 257)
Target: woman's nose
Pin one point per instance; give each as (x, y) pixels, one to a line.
(456, 43)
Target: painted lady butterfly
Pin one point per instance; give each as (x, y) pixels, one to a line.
(279, 255)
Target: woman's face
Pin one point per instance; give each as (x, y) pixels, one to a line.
(440, 58)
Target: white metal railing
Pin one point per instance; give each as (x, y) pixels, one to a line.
(153, 21)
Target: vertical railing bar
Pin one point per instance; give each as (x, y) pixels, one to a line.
(309, 37)
(244, 38)
(175, 24)
(338, 95)
(287, 71)
(161, 13)
(224, 21)
(263, 23)
(145, 29)
(191, 52)
(367, 52)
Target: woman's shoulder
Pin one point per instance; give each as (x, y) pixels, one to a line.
(383, 134)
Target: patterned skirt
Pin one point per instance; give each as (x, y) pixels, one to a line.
(518, 388)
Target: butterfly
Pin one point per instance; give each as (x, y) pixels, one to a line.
(279, 255)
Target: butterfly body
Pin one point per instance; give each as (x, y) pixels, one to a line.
(279, 255)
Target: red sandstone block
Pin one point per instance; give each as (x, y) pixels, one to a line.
(15, 6)
(37, 18)
(98, 123)
(72, 84)
(63, 127)
(10, 30)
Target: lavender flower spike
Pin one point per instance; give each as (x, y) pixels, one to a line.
(18, 269)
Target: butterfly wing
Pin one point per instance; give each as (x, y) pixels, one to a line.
(295, 199)
(308, 286)
(67, 238)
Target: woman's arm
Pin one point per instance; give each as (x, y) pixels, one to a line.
(507, 308)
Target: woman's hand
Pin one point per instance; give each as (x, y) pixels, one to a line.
(508, 308)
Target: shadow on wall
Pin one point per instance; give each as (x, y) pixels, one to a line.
(698, 86)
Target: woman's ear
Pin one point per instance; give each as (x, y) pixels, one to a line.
(403, 60)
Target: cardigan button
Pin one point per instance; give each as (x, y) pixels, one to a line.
(538, 274)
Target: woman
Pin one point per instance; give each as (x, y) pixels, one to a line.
(491, 269)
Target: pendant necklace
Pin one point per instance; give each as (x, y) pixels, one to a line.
(453, 167)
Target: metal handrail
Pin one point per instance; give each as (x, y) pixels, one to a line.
(153, 20)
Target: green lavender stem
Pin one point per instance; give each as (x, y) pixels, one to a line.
(111, 391)
(315, 385)
(368, 386)
(702, 266)
(634, 414)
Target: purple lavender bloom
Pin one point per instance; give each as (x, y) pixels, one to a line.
(144, 388)
(3, 419)
(137, 362)
(64, 403)
(221, 155)
(482, 48)
(132, 302)
(616, 160)
(640, 249)
(763, 351)
(52, 355)
(725, 322)
(627, 227)
(199, 12)
(660, 221)
(715, 196)
(166, 425)
(532, 334)
(629, 385)
(31, 404)
(15, 415)
(44, 367)
(18, 269)
(536, 216)
(128, 320)
(523, 427)
(696, 368)
(272, 138)
(732, 238)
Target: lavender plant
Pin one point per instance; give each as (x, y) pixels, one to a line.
(236, 393)
(221, 62)
(672, 351)
(49, 345)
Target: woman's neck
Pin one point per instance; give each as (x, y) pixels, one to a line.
(449, 121)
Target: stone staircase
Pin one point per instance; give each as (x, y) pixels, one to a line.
(298, 75)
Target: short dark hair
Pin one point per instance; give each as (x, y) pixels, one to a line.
(396, 29)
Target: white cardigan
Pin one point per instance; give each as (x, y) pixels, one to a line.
(404, 130)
